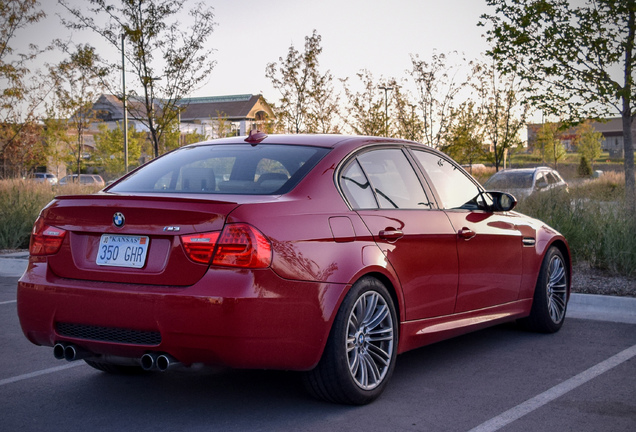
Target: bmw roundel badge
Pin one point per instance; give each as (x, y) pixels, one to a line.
(119, 220)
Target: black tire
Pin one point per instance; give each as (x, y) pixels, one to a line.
(359, 356)
(116, 369)
(549, 303)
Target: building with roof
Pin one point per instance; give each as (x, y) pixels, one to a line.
(237, 113)
(612, 130)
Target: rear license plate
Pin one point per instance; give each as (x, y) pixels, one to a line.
(122, 250)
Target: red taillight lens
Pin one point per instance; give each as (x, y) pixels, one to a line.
(45, 239)
(200, 247)
(238, 245)
(242, 245)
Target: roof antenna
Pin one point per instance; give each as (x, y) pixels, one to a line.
(255, 137)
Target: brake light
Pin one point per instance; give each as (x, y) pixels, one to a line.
(242, 245)
(238, 245)
(200, 247)
(45, 239)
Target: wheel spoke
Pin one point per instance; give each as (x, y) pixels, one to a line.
(379, 316)
(371, 304)
(372, 371)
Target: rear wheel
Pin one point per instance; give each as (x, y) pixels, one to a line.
(116, 369)
(359, 357)
(550, 295)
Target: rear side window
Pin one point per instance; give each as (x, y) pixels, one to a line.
(225, 169)
(383, 178)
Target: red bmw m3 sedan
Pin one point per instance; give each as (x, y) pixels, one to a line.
(319, 253)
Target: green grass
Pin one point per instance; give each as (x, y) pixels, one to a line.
(594, 220)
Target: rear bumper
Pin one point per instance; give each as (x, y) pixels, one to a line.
(235, 318)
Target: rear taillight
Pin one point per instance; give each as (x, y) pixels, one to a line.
(45, 239)
(200, 247)
(238, 245)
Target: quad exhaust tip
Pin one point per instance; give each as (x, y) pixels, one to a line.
(148, 361)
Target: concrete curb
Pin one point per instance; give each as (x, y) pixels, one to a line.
(13, 264)
(602, 308)
(583, 306)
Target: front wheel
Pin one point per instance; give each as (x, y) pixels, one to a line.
(550, 295)
(359, 357)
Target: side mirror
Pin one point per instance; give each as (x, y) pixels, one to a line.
(502, 201)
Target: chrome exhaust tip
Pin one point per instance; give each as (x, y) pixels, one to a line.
(58, 351)
(72, 353)
(165, 362)
(148, 361)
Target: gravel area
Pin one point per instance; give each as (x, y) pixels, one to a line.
(586, 280)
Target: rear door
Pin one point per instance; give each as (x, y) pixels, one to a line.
(416, 238)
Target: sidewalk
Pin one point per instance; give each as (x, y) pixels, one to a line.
(584, 306)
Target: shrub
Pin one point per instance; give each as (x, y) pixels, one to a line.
(585, 167)
(594, 220)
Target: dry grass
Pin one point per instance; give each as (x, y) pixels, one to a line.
(20, 204)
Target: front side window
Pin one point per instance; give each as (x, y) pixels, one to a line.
(225, 169)
(455, 189)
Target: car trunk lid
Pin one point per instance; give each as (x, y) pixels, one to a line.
(157, 221)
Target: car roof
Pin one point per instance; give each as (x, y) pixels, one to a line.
(525, 170)
(316, 140)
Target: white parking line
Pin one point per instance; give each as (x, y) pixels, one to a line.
(8, 302)
(38, 373)
(555, 392)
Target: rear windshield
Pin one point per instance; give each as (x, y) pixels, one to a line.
(510, 180)
(225, 169)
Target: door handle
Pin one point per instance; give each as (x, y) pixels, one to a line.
(391, 234)
(466, 233)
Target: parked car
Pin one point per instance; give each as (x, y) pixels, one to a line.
(84, 179)
(44, 177)
(318, 253)
(523, 182)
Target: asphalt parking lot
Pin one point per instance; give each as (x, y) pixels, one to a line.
(580, 379)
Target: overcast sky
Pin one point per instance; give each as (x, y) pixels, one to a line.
(377, 35)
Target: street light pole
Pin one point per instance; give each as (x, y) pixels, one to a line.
(386, 108)
(124, 101)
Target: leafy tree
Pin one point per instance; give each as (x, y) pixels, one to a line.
(588, 142)
(25, 150)
(550, 144)
(57, 141)
(408, 124)
(365, 109)
(325, 105)
(109, 149)
(437, 88)
(169, 59)
(78, 79)
(222, 126)
(464, 141)
(307, 100)
(21, 92)
(502, 111)
(579, 59)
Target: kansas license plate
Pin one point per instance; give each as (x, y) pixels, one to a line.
(122, 250)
